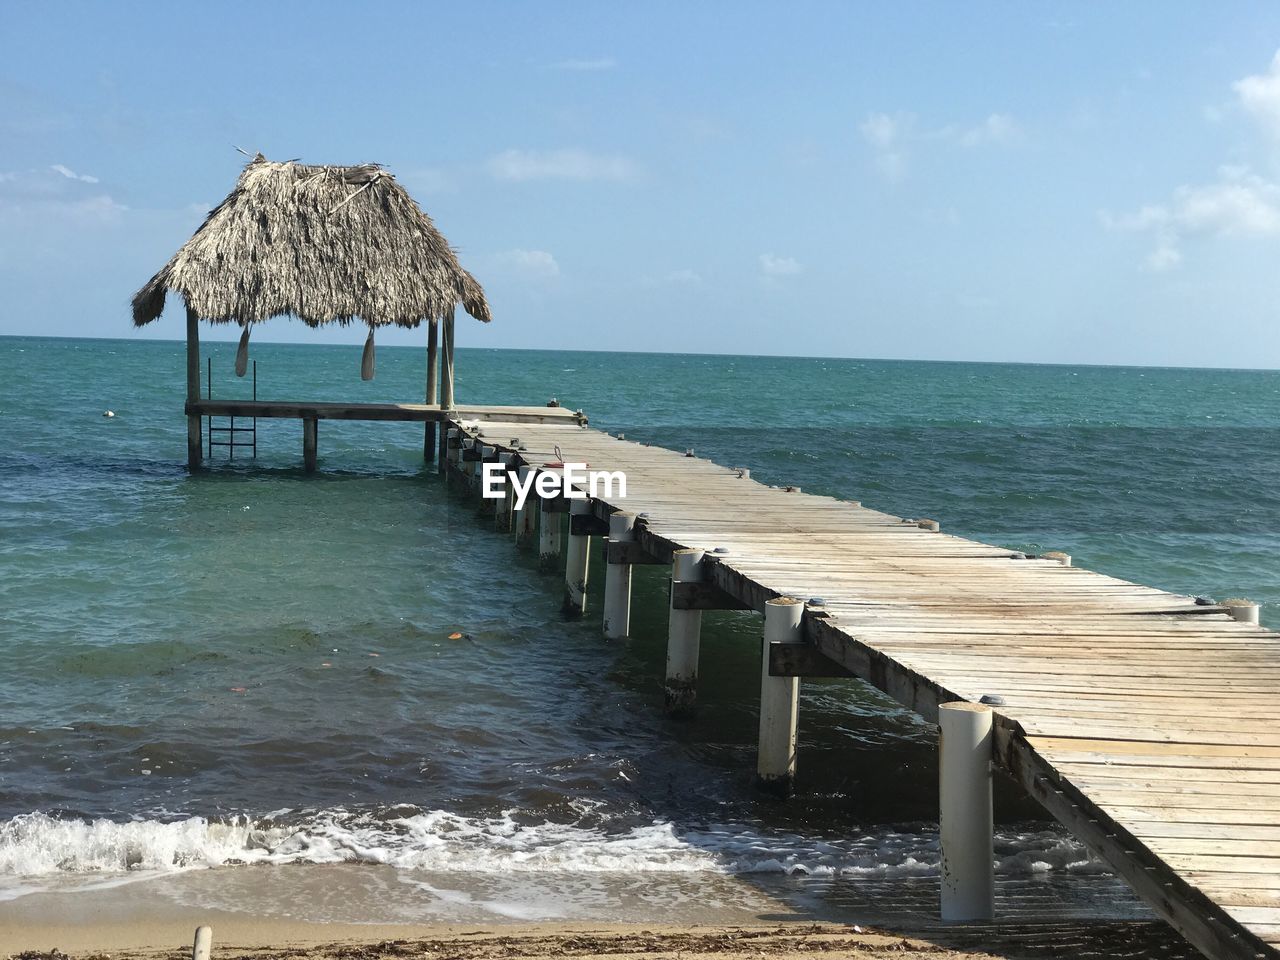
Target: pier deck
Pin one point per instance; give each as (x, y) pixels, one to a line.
(405, 412)
(1145, 722)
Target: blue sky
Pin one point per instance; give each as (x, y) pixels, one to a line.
(1041, 182)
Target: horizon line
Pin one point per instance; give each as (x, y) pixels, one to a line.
(663, 353)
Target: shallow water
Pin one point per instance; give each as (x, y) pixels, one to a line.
(251, 666)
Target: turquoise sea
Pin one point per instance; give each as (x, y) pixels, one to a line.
(251, 669)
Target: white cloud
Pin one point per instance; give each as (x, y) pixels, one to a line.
(1260, 96)
(568, 164)
(997, 128)
(774, 266)
(886, 134)
(893, 135)
(683, 276)
(532, 264)
(598, 63)
(884, 131)
(72, 175)
(1239, 202)
(1165, 256)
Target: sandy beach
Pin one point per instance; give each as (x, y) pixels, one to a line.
(256, 914)
(259, 939)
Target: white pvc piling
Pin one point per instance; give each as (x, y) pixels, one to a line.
(684, 636)
(779, 700)
(577, 551)
(1062, 558)
(968, 856)
(1246, 611)
(617, 580)
(203, 944)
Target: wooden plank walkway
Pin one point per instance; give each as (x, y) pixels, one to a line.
(1146, 722)
(408, 412)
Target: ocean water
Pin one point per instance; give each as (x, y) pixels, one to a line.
(252, 669)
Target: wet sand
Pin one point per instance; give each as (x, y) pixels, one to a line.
(274, 916)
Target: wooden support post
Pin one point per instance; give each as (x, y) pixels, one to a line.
(684, 636)
(466, 459)
(968, 871)
(779, 701)
(525, 520)
(488, 454)
(503, 507)
(617, 580)
(442, 465)
(549, 532)
(310, 437)
(203, 944)
(452, 452)
(429, 429)
(446, 364)
(195, 436)
(576, 555)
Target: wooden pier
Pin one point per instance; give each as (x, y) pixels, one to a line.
(1145, 722)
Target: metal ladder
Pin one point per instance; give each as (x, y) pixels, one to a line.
(231, 434)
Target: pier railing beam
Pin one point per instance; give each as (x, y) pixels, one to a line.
(577, 553)
(195, 437)
(525, 520)
(684, 636)
(968, 871)
(310, 440)
(617, 579)
(779, 701)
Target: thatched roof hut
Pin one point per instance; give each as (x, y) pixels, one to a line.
(323, 244)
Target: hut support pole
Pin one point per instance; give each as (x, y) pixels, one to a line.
(195, 435)
(779, 701)
(310, 436)
(617, 580)
(446, 363)
(968, 873)
(577, 553)
(684, 636)
(429, 430)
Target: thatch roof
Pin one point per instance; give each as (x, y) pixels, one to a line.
(324, 244)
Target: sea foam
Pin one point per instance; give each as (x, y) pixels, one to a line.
(37, 845)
